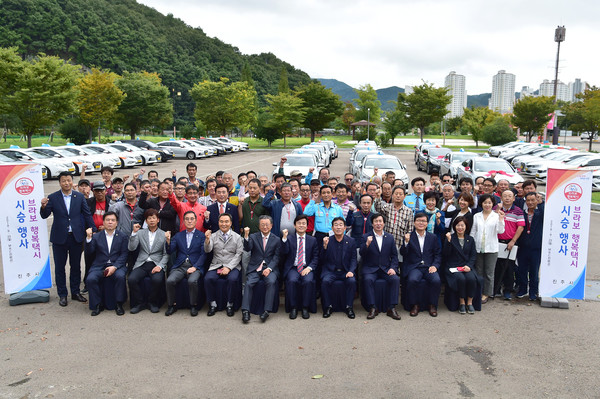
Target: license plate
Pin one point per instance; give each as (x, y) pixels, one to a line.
(71, 169)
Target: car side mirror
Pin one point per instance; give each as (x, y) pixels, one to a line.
(274, 163)
(467, 168)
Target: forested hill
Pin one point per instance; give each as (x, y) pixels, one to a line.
(122, 35)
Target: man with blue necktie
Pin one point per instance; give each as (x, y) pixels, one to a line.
(72, 222)
(415, 200)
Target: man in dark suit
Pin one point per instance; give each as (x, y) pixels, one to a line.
(338, 259)
(211, 216)
(109, 248)
(151, 261)
(167, 215)
(422, 259)
(264, 248)
(72, 221)
(302, 256)
(189, 246)
(380, 260)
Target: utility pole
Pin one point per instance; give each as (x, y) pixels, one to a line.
(559, 36)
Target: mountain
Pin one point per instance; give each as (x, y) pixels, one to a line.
(123, 35)
(347, 93)
(478, 100)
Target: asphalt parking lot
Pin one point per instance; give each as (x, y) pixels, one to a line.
(509, 349)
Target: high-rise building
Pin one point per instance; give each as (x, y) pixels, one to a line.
(562, 90)
(526, 91)
(456, 88)
(575, 88)
(503, 92)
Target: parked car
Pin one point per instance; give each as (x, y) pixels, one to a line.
(106, 159)
(183, 150)
(227, 140)
(323, 156)
(148, 157)
(530, 167)
(356, 161)
(383, 163)
(586, 136)
(430, 158)
(314, 151)
(219, 148)
(78, 161)
(496, 150)
(589, 161)
(209, 150)
(128, 160)
(301, 162)
(165, 153)
(453, 160)
(419, 147)
(332, 146)
(4, 159)
(54, 166)
(488, 167)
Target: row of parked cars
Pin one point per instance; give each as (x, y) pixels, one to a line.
(120, 154)
(366, 157)
(316, 155)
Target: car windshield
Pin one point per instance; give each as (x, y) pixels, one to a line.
(382, 163)
(299, 161)
(578, 161)
(361, 154)
(459, 157)
(4, 158)
(94, 150)
(73, 151)
(36, 155)
(436, 152)
(487, 166)
(150, 144)
(44, 151)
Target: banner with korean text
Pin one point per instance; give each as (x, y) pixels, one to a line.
(566, 233)
(23, 232)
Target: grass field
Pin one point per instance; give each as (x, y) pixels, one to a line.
(596, 197)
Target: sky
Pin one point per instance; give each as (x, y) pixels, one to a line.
(405, 42)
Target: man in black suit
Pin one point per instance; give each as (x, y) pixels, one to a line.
(422, 259)
(264, 248)
(72, 221)
(380, 260)
(302, 259)
(211, 216)
(167, 215)
(109, 248)
(338, 259)
(189, 246)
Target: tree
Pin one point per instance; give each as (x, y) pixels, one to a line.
(247, 75)
(454, 124)
(348, 116)
(498, 132)
(221, 106)
(475, 119)
(75, 131)
(146, 102)
(584, 116)
(369, 107)
(396, 122)
(98, 99)
(286, 112)
(284, 85)
(45, 91)
(321, 106)
(531, 114)
(265, 130)
(11, 67)
(426, 105)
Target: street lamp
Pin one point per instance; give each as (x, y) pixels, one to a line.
(368, 123)
(559, 36)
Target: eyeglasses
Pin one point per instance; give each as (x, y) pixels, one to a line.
(446, 181)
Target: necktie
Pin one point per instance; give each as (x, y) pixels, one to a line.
(225, 237)
(222, 209)
(264, 243)
(300, 255)
(417, 204)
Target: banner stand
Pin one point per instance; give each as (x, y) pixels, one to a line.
(35, 296)
(549, 302)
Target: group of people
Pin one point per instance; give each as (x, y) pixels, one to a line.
(307, 234)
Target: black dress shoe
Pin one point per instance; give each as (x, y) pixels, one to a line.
(230, 311)
(305, 313)
(211, 311)
(137, 309)
(432, 311)
(414, 311)
(96, 311)
(193, 311)
(393, 313)
(154, 309)
(78, 297)
(350, 313)
(293, 313)
(372, 313)
(119, 310)
(245, 316)
(327, 312)
(62, 301)
(84, 290)
(264, 316)
(170, 310)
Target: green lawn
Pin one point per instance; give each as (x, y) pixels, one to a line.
(596, 197)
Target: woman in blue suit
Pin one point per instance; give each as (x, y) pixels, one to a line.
(460, 255)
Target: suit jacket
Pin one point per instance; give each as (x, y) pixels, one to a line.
(195, 253)
(413, 257)
(290, 248)
(275, 207)
(329, 261)
(455, 256)
(157, 253)
(117, 256)
(270, 255)
(375, 259)
(167, 215)
(78, 216)
(225, 253)
(213, 222)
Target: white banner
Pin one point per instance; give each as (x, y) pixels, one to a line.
(24, 234)
(566, 233)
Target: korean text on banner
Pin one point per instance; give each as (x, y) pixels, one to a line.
(24, 234)
(566, 232)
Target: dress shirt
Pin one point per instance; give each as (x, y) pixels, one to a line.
(398, 222)
(67, 199)
(411, 201)
(421, 240)
(188, 237)
(379, 239)
(323, 215)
